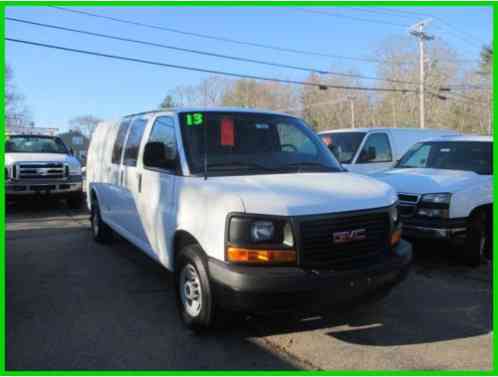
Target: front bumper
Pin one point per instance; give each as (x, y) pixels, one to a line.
(443, 229)
(261, 289)
(72, 184)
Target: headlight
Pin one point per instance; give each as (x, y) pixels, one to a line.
(433, 212)
(260, 241)
(434, 205)
(262, 231)
(443, 198)
(74, 170)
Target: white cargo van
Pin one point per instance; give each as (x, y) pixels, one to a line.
(370, 150)
(249, 209)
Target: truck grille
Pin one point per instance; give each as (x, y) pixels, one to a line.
(319, 249)
(41, 170)
(408, 204)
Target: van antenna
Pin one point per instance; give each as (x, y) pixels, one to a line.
(205, 150)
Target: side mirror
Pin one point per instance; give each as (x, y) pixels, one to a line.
(71, 151)
(155, 156)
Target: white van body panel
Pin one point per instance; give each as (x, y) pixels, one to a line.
(400, 139)
(169, 203)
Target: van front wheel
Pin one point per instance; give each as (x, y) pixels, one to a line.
(194, 297)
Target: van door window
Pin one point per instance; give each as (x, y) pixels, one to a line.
(161, 149)
(376, 149)
(117, 150)
(137, 129)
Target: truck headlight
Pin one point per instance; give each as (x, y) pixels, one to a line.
(253, 240)
(434, 205)
(74, 170)
(443, 198)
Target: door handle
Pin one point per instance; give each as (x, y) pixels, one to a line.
(139, 182)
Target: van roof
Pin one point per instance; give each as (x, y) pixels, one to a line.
(210, 109)
(396, 129)
(462, 138)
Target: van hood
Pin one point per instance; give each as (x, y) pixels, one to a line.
(429, 181)
(11, 158)
(306, 193)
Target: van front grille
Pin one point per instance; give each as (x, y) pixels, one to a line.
(326, 242)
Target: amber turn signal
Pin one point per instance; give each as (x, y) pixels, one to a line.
(255, 256)
(395, 237)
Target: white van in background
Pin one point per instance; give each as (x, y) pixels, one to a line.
(371, 150)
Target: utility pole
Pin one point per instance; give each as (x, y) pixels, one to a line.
(417, 31)
(351, 102)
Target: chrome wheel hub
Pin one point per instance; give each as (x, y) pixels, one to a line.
(190, 290)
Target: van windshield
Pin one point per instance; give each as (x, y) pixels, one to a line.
(34, 144)
(252, 143)
(461, 155)
(343, 144)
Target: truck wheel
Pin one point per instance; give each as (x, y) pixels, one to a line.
(102, 233)
(194, 296)
(75, 201)
(478, 238)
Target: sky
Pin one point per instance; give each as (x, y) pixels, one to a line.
(59, 86)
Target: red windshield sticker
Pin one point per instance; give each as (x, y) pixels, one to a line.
(227, 132)
(327, 140)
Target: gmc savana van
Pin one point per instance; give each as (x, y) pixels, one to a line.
(249, 209)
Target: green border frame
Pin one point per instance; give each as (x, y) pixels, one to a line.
(234, 3)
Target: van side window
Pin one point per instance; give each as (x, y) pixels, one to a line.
(118, 144)
(137, 129)
(376, 149)
(162, 140)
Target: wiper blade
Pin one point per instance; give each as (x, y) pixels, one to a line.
(301, 164)
(234, 165)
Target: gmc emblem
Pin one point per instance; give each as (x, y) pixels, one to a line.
(350, 236)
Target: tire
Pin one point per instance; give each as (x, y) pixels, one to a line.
(101, 232)
(75, 201)
(195, 300)
(478, 243)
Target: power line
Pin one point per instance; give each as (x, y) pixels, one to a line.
(452, 30)
(340, 15)
(188, 68)
(207, 53)
(469, 37)
(220, 39)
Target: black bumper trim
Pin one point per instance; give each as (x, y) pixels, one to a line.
(445, 229)
(273, 288)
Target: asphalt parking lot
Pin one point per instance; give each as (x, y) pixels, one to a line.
(74, 304)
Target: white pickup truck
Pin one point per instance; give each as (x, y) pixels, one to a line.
(249, 209)
(445, 188)
(41, 165)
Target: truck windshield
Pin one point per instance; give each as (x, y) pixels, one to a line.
(34, 144)
(343, 144)
(252, 143)
(461, 155)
